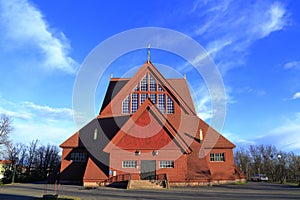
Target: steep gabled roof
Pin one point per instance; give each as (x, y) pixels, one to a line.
(71, 142)
(189, 125)
(181, 86)
(130, 85)
(114, 87)
(148, 105)
(107, 128)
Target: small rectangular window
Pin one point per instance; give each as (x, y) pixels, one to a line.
(78, 157)
(129, 164)
(166, 164)
(217, 157)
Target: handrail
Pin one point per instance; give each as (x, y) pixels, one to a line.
(117, 178)
(127, 177)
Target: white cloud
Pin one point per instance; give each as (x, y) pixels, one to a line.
(293, 64)
(48, 111)
(203, 101)
(232, 27)
(32, 121)
(274, 19)
(24, 26)
(284, 136)
(296, 95)
(236, 139)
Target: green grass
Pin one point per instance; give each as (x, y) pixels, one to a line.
(240, 183)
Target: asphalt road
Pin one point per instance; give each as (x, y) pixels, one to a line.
(246, 191)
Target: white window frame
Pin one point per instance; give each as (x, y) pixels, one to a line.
(217, 157)
(166, 164)
(129, 163)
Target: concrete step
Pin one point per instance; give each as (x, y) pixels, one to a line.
(146, 184)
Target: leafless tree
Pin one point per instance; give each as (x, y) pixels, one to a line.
(5, 129)
(243, 161)
(279, 166)
(13, 151)
(32, 154)
(47, 159)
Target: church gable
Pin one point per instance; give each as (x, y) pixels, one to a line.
(146, 83)
(147, 127)
(148, 87)
(146, 133)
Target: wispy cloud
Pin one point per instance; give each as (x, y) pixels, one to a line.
(231, 27)
(203, 101)
(32, 121)
(50, 112)
(292, 65)
(249, 90)
(284, 136)
(25, 27)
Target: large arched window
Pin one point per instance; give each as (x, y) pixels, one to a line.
(148, 88)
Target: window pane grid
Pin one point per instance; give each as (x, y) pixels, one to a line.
(166, 164)
(148, 87)
(136, 88)
(125, 105)
(153, 98)
(161, 102)
(129, 164)
(143, 98)
(144, 82)
(78, 157)
(160, 89)
(170, 105)
(217, 157)
(152, 84)
(134, 102)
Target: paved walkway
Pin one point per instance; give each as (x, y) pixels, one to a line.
(246, 191)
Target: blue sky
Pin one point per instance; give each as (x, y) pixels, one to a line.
(255, 45)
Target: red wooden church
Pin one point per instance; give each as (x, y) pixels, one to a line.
(148, 128)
